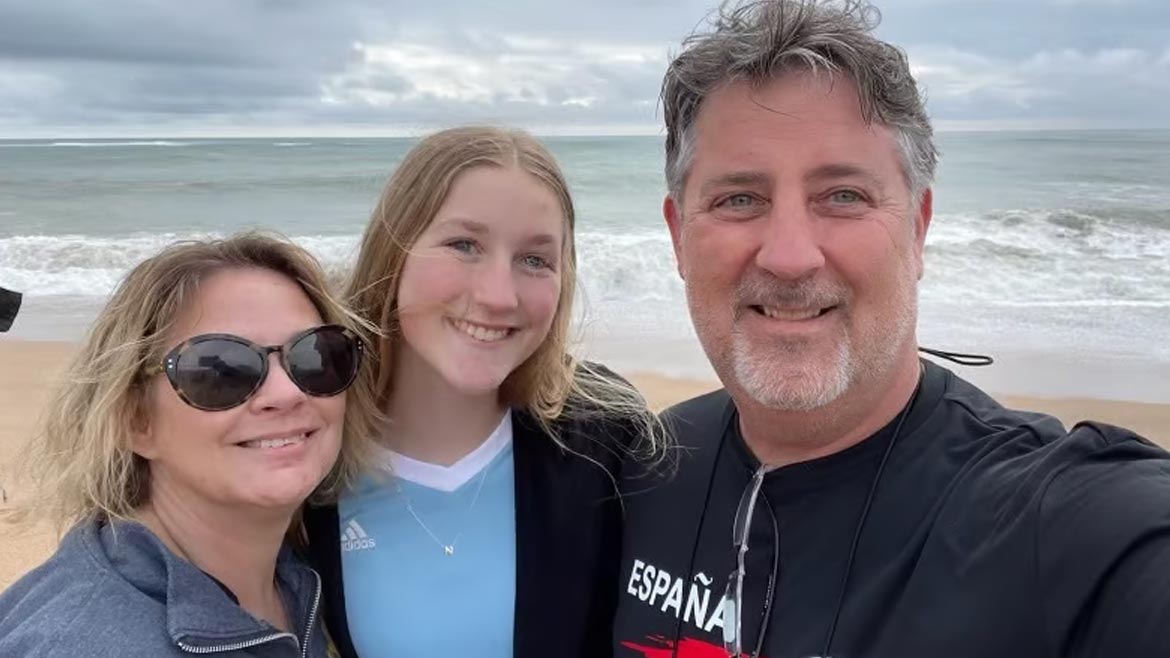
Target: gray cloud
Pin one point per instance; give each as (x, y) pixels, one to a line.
(153, 66)
(211, 33)
(1009, 28)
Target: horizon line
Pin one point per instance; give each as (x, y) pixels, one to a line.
(414, 134)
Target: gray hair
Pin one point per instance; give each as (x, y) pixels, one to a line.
(762, 40)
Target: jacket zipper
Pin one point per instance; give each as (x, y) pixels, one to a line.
(237, 646)
(312, 616)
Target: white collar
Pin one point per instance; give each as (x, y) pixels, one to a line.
(450, 478)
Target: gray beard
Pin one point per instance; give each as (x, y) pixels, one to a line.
(785, 388)
(768, 375)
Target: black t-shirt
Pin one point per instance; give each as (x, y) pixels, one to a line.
(992, 533)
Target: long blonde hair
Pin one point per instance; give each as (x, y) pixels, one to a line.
(550, 384)
(80, 464)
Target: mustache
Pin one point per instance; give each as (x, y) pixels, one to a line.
(763, 289)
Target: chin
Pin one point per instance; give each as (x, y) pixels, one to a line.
(281, 492)
(278, 500)
(478, 381)
(801, 382)
(793, 395)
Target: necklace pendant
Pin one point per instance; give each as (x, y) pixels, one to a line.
(449, 549)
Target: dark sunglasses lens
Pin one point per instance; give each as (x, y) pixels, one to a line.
(323, 362)
(217, 373)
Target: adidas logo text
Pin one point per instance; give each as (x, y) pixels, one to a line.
(354, 538)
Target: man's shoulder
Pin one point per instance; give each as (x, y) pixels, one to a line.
(1088, 489)
(699, 421)
(694, 428)
(1101, 537)
(1107, 471)
(971, 411)
(971, 415)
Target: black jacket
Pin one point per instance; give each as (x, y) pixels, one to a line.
(991, 532)
(568, 541)
(9, 306)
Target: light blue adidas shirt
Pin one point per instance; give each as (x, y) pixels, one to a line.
(410, 594)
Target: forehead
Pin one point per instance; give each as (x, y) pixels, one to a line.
(791, 124)
(258, 304)
(508, 201)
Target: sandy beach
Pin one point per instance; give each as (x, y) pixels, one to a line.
(29, 368)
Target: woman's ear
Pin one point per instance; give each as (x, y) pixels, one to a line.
(142, 442)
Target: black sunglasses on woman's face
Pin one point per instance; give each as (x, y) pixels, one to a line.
(215, 372)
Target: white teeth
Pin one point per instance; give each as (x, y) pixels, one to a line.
(480, 332)
(790, 314)
(274, 443)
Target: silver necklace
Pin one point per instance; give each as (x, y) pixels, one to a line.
(448, 548)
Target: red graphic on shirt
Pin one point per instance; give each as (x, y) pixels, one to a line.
(688, 647)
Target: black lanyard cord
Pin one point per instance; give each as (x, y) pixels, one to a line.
(960, 358)
(865, 514)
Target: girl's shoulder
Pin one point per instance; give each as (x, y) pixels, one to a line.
(604, 419)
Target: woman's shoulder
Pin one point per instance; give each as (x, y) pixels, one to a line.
(68, 602)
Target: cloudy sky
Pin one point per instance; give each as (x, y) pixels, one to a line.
(357, 67)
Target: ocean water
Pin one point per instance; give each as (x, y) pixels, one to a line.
(1046, 247)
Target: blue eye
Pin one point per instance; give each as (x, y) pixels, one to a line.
(845, 196)
(738, 201)
(463, 245)
(532, 261)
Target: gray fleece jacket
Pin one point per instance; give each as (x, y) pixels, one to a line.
(117, 591)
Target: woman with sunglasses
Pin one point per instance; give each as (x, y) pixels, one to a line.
(491, 526)
(205, 406)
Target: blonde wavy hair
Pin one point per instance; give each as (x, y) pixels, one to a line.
(80, 465)
(551, 384)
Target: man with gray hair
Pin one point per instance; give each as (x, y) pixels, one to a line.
(841, 496)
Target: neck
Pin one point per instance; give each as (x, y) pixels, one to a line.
(433, 422)
(779, 438)
(239, 548)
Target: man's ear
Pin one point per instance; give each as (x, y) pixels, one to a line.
(672, 213)
(921, 225)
